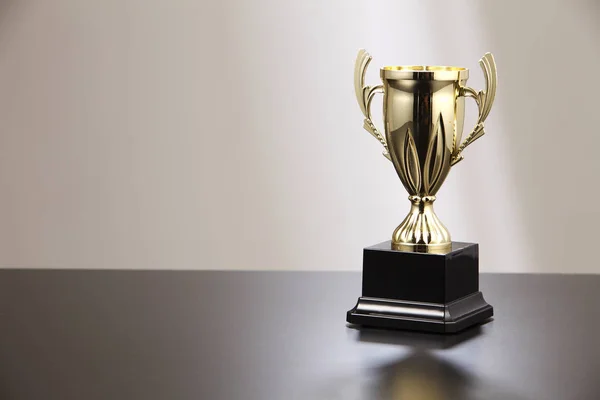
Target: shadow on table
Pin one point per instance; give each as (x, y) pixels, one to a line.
(417, 376)
(416, 339)
(422, 375)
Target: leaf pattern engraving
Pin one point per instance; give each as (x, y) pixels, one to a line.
(411, 163)
(436, 156)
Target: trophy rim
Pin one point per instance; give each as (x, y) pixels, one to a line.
(422, 68)
(424, 72)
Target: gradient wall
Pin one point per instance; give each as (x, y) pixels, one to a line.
(225, 135)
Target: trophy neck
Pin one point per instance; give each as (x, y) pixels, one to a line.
(421, 230)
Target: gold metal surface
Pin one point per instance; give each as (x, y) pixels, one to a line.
(423, 112)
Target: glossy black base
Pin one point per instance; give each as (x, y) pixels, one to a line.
(421, 291)
(416, 316)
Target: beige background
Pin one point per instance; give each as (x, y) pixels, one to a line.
(225, 134)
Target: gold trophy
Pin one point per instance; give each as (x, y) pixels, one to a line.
(423, 111)
(421, 280)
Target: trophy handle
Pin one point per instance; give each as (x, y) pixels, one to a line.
(364, 96)
(484, 100)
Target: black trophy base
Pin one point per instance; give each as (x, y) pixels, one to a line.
(427, 317)
(421, 291)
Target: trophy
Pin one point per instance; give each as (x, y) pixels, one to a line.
(421, 279)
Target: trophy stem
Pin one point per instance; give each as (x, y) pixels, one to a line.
(422, 231)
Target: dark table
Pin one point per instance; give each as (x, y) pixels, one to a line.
(133, 335)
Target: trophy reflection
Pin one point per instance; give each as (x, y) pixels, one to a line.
(423, 111)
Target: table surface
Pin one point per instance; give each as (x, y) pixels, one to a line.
(174, 335)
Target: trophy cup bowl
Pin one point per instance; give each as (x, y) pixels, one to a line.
(423, 112)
